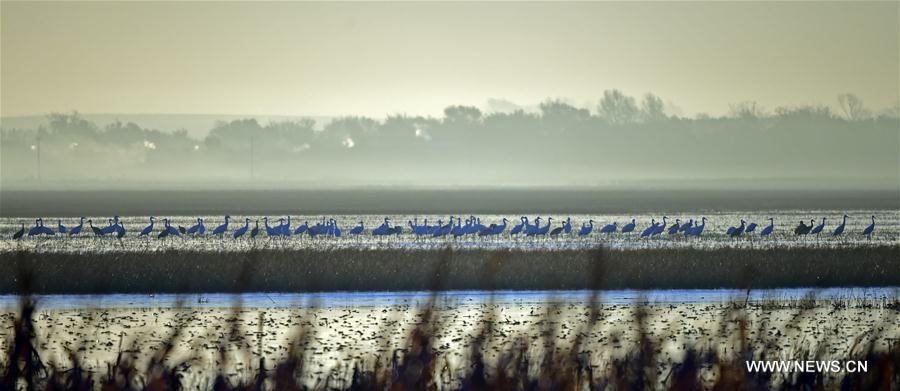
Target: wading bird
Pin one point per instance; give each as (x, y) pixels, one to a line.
(222, 228)
(518, 227)
(818, 229)
(358, 230)
(840, 229)
(255, 230)
(629, 227)
(197, 228)
(660, 228)
(675, 227)
(736, 231)
(168, 230)
(750, 228)
(60, 227)
(271, 231)
(301, 228)
(697, 230)
(609, 228)
(385, 228)
(803, 229)
(567, 226)
(558, 230)
(76, 230)
(649, 230)
(769, 228)
(686, 226)
(242, 230)
(545, 229)
(97, 231)
(36, 230)
(870, 229)
(148, 229)
(586, 229)
(19, 233)
(112, 227)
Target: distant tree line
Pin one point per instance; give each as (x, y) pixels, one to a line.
(622, 138)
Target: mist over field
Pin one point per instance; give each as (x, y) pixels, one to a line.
(622, 142)
(319, 96)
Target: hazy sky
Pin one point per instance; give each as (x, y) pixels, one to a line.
(379, 58)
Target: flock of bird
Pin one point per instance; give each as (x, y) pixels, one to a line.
(328, 227)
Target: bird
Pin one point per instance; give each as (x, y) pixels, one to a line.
(77, 229)
(649, 230)
(737, 231)
(660, 228)
(697, 230)
(675, 227)
(818, 229)
(498, 229)
(335, 229)
(195, 229)
(46, 230)
(586, 229)
(19, 233)
(255, 230)
(769, 228)
(120, 232)
(242, 230)
(112, 227)
(168, 230)
(840, 229)
(97, 231)
(518, 227)
(357, 230)
(803, 229)
(686, 226)
(567, 226)
(182, 230)
(628, 227)
(870, 229)
(545, 229)
(385, 228)
(751, 227)
(286, 227)
(271, 231)
(36, 230)
(558, 230)
(609, 228)
(222, 228)
(148, 229)
(301, 229)
(60, 227)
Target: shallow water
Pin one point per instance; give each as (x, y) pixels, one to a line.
(887, 232)
(415, 299)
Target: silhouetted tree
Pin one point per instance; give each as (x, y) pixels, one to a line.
(462, 115)
(617, 108)
(652, 108)
(745, 110)
(853, 108)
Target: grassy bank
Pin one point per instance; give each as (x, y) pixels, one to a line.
(381, 270)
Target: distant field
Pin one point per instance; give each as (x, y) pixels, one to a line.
(397, 270)
(20, 203)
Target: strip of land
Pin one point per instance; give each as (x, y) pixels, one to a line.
(310, 270)
(22, 203)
